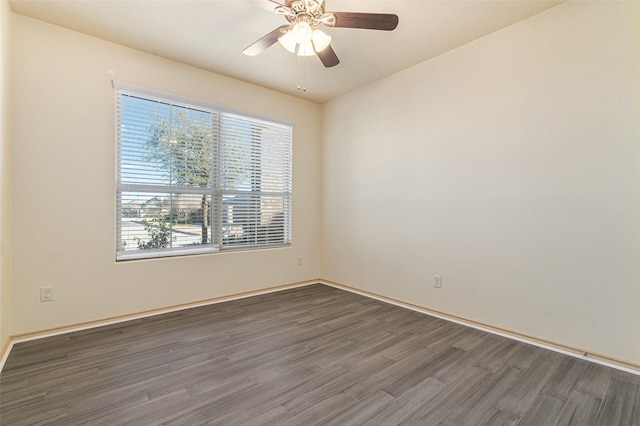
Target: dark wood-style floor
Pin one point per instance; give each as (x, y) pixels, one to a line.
(310, 355)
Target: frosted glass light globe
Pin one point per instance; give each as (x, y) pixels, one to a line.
(302, 32)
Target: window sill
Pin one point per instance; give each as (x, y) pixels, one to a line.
(154, 254)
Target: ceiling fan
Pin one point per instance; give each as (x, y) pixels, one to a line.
(303, 36)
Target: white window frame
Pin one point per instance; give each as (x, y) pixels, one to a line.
(216, 190)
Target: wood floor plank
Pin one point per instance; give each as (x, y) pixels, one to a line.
(451, 398)
(309, 355)
(561, 385)
(273, 416)
(581, 409)
(321, 410)
(419, 372)
(338, 385)
(414, 402)
(544, 411)
(594, 380)
(456, 369)
(619, 406)
(483, 398)
(500, 418)
(523, 394)
(497, 357)
(359, 412)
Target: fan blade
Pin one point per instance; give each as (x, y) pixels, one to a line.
(269, 5)
(265, 42)
(328, 57)
(368, 21)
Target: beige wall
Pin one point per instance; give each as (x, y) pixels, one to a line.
(5, 172)
(511, 167)
(64, 184)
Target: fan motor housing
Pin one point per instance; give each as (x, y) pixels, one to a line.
(313, 8)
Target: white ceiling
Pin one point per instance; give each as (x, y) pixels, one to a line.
(211, 34)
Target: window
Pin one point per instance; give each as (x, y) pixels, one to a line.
(195, 178)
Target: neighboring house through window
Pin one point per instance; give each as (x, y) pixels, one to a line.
(195, 178)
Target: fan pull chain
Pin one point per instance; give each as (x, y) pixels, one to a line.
(302, 74)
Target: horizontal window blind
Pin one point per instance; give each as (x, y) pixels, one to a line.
(193, 179)
(255, 175)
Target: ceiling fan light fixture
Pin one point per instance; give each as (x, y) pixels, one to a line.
(320, 40)
(302, 32)
(288, 41)
(306, 49)
(301, 36)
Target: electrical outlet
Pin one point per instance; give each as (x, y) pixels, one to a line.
(300, 261)
(437, 281)
(46, 294)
